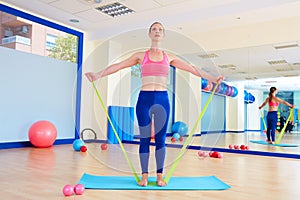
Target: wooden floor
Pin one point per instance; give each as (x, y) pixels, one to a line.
(37, 174)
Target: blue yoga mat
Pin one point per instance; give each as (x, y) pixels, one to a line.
(279, 145)
(129, 183)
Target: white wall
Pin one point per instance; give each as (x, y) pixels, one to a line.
(35, 88)
(253, 113)
(113, 89)
(235, 110)
(92, 114)
(187, 99)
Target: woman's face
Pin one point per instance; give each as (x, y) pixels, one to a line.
(156, 32)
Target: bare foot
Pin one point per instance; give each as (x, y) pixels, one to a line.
(160, 180)
(144, 181)
(270, 142)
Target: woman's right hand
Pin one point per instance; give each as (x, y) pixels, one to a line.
(220, 79)
(91, 76)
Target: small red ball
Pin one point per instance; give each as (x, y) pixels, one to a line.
(83, 148)
(220, 155)
(230, 146)
(214, 154)
(200, 153)
(236, 146)
(68, 190)
(173, 139)
(79, 189)
(242, 147)
(181, 139)
(103, 146)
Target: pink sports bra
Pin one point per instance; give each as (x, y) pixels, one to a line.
(271, 103)
(153, 68)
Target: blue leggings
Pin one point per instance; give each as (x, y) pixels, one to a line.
(272, 118)
(153, 103)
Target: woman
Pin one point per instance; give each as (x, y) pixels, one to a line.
(272, 116)
(153, 97)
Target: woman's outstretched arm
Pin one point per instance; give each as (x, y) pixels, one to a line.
(129, 62)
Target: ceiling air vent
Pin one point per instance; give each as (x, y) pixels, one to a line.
(283, 69)
(285, 46)
(250, 78)
(271, 81)
(230, 66)
(211, 55)
(265, 85)
(290, 75)
(277, 62)
(115, 10)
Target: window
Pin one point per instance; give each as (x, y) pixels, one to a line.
(50, 41)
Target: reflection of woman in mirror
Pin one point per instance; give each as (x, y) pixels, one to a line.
(153, 97)
(272, 116)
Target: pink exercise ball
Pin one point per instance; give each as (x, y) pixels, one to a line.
(42, 134)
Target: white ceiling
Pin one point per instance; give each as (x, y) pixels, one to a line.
(190, 17)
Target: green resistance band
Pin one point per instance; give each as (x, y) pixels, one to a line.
(284, 127)
(262, 117)
(116, 134)
(180, 154)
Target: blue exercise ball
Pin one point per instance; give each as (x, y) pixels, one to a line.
(235, 92)
(180, 127)
(204, 83)
(245, 94)
(251, 98)
(77, 144)
(228, 91)
(213, 87)
(223, 88)
(219, 88)
(176, 136)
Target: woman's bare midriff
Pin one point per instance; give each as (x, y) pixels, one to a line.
(273, 108)
(154, 83)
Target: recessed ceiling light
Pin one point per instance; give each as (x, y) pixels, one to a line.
(74, 20)
(115, 9)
